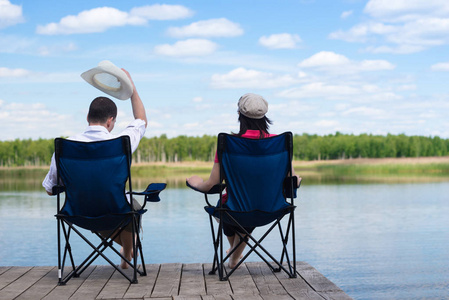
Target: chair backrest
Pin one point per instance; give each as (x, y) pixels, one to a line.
(254, 171)
(94, 175)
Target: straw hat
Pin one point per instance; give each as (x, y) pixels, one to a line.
(110, 79)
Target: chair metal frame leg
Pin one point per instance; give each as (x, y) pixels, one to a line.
(106, 242)
(219, 260)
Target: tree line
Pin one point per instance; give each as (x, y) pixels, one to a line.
(30, 152)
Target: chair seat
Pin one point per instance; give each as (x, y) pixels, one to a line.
(100, 223)
(253, 218)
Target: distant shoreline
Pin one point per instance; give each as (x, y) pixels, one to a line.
(296, 163)
(344, 171)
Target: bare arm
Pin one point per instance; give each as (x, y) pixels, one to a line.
(204, 186)
(294, 174)
(136, 103)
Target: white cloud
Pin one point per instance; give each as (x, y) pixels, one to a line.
(162, 12)
(89, 21)
(18, 120)
(346, 14)
(326, 124)
(405, 10)
(210, 28)
(190, 47)
(57, 49)
(351, 92)
(406, 87)
(317, 90)
(244, 78)
(8, 73)
(324, 58)
(365, 112)
(401, 49)
(331, 61)
(440, 66)
(197, 99)
(362, 32)
(102, 18)
(10, 14)
(280, 41)
(400, 26)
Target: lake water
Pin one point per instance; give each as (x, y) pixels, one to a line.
(375, 241)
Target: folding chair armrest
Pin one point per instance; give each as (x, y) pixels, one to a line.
(216, 189)
(288, 182)
(152, 191)
(57, 189)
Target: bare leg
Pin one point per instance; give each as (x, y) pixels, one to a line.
(125, 239)
(231, 243)
(238, 253)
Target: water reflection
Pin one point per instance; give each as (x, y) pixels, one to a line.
(375, 241)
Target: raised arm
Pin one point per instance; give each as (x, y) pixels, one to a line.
(136, 103)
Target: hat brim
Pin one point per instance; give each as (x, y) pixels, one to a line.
(121, 89)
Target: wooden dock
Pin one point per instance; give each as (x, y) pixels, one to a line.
(169, 282)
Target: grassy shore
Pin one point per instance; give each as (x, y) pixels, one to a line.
(390, 170)
(419, 169)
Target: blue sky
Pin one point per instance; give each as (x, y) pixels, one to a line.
(376, 67)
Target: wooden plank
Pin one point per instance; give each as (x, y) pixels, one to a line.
(277, 297)
(213, 284)
(167, 283)
(93, 285)
(335, 295)
(117, 285)
(4, 269)
(11, 275)
(65, 291)
(217, 297)
(306, 295)
(187, 297)
(192, 280)
(315, 279)
(297, 287)
(23, 282)
(247, 297)
(242, 282)
(146, 283)
(42, 287)
(266, 282)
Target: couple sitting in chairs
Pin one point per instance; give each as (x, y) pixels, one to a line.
(93, 170)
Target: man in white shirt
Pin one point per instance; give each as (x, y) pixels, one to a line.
(101, 118)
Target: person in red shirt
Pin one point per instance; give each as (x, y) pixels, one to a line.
(254, 124)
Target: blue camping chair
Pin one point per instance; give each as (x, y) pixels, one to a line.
(256, 175)
(93, 176)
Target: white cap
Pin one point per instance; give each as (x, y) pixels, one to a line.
(253, 106)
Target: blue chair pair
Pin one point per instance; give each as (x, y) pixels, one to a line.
(260, 193)
(94, 177)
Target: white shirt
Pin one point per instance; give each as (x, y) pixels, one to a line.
(135, 130)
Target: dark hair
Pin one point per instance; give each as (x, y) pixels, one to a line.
(262, 125)
(101, 109)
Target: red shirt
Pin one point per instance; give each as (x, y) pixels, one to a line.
(251, 134)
